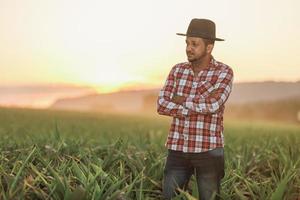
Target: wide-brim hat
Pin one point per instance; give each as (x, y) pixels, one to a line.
(203, 28)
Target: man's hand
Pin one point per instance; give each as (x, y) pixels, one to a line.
(178, 99)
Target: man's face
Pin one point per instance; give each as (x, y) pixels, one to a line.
(195, 49)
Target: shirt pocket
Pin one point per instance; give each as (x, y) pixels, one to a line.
(204, 88)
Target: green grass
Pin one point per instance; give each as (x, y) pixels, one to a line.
(69, 155)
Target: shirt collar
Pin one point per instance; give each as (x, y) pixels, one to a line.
(211, 64)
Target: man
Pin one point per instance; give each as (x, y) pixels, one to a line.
(194, 94)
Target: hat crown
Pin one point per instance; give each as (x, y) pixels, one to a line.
(202, 27)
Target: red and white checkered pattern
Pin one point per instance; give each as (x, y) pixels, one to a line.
(197, 124)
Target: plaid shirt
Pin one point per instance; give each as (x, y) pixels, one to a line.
(197, 124)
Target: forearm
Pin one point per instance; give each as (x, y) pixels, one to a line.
(209, 104)
(212, 103)
(203, 105)
(165, 106)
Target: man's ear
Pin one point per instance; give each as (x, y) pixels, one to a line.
(209, 48)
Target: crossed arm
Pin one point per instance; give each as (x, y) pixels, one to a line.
(170, 104)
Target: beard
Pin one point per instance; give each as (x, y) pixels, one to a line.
(192, 58)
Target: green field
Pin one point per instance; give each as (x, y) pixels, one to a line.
(71, 155)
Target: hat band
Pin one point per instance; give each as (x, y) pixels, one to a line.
(200, 35)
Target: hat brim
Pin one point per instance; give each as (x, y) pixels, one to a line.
(217, 39)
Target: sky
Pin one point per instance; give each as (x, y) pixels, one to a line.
(111, 45)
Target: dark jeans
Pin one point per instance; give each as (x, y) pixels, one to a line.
(208, 166)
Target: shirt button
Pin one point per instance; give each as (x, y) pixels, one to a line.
(185, 137)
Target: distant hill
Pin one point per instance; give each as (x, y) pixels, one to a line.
(39, 96)
(263, 91)
(124, 101)
(145, 100)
